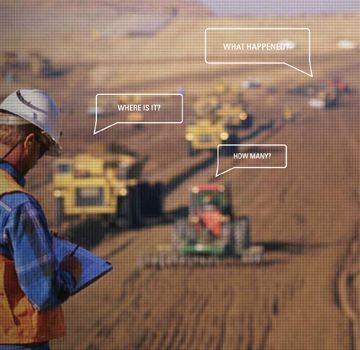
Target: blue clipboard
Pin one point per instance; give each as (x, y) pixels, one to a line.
(93, 267)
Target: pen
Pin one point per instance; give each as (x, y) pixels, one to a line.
(74, 251)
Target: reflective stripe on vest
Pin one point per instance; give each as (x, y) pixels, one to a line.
(20, 323)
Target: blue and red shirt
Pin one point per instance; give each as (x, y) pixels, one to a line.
(25, 239)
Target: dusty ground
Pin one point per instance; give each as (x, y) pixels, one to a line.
(306, 216)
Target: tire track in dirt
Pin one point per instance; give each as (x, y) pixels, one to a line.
(347, 292)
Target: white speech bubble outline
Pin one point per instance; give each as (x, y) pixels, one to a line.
(134, 122)
(249, 167)
(258, 28)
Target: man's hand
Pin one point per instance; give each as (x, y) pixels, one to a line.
(60, 235)
(71, 263)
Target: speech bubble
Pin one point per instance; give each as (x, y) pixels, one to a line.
(250, 156)
(266, 46)
(136, 108)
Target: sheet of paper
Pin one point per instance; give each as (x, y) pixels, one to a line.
(93, 267)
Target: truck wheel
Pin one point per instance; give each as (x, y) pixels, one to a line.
(135, 207)
(241, 234)
(158, 199)
(150, 199)
(191, 151)
(233, 140)
(128, 210)
(59, 211)
(248, 122)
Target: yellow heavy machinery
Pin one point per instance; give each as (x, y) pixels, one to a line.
(205, 134)
(105, 185)
(223, 88)
(234, 116)
(228, 93)
(207, 105)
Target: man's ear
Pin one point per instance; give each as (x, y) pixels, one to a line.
(29, 143)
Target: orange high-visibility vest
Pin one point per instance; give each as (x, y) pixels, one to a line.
(20, 322)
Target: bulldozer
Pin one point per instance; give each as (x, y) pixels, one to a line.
(104, 185)
(234, 116)
(208, 234)
(205, 134)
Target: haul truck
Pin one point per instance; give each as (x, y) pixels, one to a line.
(234, 116)
(205, 134)
(105, 186)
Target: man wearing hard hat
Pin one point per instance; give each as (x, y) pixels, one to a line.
(33, 284)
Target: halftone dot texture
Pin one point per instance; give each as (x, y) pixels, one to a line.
(306, 216)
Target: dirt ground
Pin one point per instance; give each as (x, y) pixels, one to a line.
(306, 216)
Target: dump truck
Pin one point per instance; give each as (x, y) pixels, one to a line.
(205, 134)
(210, 232)
(106, 186)
(223, 88)
(234, 116)
(207, 105)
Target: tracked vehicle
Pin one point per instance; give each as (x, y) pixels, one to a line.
(210, 233)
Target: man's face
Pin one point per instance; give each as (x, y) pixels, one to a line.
(34, 147)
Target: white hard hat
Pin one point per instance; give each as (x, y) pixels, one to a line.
(38, 108)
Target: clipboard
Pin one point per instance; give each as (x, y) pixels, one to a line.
(93, 267)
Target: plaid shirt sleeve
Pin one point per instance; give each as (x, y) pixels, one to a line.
(40, 277)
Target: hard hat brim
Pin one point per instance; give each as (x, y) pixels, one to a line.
(55, 150)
